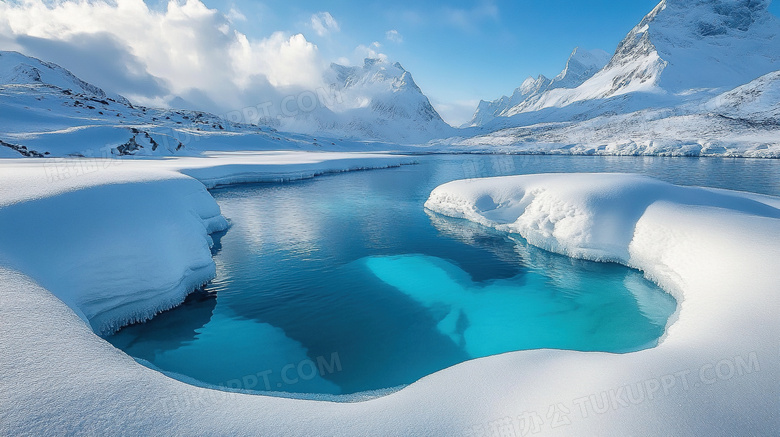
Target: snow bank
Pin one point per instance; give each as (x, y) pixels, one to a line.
(590, 216)
(117, 254)
(120, 241)
(715, 372)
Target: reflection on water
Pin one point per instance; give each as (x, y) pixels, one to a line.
(170, 330)
(590, 312)
(344, 283)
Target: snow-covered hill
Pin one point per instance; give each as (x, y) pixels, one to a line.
(378, 101)
(742, 122)
(47, 111)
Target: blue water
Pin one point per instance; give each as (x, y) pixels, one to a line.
(344, 283)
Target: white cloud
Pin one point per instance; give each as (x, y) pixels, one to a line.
(193, 50)
(323, 23)
(235, 15)
(370, 51)
(394, 36)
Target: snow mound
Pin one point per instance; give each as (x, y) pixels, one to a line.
(589, 216)
(123, 252)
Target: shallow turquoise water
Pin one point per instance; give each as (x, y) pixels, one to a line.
(345, 283)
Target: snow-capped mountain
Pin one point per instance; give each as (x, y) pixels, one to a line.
(694, 77)
(685, 45)
(487, 111)
(581, 66)
(376, 101)
(47, 111)
(700, 77)
(681, 51)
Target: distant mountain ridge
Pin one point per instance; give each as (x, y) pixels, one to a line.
(378, 101)
(581, 66)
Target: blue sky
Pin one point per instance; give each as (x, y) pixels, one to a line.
(457, 51)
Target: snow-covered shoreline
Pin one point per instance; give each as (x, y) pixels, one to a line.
(715, 373)
(121, 240)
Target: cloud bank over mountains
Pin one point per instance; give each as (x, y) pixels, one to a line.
(184, 55)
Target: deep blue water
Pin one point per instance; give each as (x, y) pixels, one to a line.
(344, 283)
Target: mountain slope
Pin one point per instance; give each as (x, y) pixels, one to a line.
(45, 110)
(378, 101)
(757, 101)
(685, 45)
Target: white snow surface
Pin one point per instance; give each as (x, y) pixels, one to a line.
(745, 130)
(714, 373)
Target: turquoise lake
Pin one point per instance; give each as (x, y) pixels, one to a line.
(345, 283)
